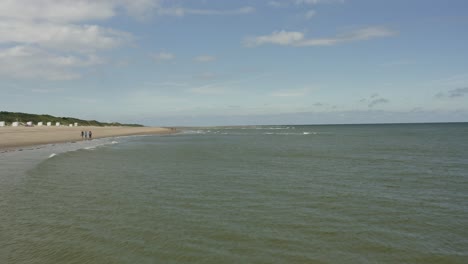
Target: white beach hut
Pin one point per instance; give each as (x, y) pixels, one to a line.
(40, 123)
(29, 123)
(49, 123)
(76, 124)
(57, 124)
(2, 123)
(15, 124)
(70, 125)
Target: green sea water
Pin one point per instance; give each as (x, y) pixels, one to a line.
(270, 194)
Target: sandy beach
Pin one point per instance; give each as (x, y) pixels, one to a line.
(14, 137)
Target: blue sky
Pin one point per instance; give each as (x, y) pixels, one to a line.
(236, 62)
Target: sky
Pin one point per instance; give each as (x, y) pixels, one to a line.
(220, 62)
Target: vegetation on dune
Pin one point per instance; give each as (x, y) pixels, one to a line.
(10, 117)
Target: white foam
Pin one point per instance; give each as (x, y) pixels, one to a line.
(189, 132)
(290, 133)
(42, 152)
(269, 128)
(253, 130)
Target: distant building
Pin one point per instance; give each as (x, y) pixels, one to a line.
(70, 125)
(29, 123)
(40, 124)
(49, 123)
(76, 124)
(15, 124)
(2, 123)
(57, 124)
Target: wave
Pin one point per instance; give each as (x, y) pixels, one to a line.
(256, 128)
(291, 134)
(24, 159)
(253, 131)
(42, 152)
(274, 128)
(192, 132)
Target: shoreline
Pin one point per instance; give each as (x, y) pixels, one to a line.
(12, 138)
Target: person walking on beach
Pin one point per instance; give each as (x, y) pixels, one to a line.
(86, 134)
(90, 135)
(82, 134)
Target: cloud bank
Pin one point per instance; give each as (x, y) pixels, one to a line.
(35, 35)
(52, 39)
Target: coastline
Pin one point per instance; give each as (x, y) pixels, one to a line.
(16, 137)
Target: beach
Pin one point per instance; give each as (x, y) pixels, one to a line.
(14, 137)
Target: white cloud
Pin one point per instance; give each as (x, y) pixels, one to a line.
(297, 39)
(367, 33)
(276, 3)
(31, 62)
(54, 24)
(315, 2)
(310, 14)
(308, 2)
(67, 29)
(301, 2)
(49, 39)
(205, 58)
(139, 8)
(239, 11)
(58, 11)
(181, 11)
(278, 37)
(68, 37)
(163, 56)
(65, 11)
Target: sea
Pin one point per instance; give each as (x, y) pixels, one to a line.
(387, 193)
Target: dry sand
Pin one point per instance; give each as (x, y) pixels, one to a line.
(13, 137)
